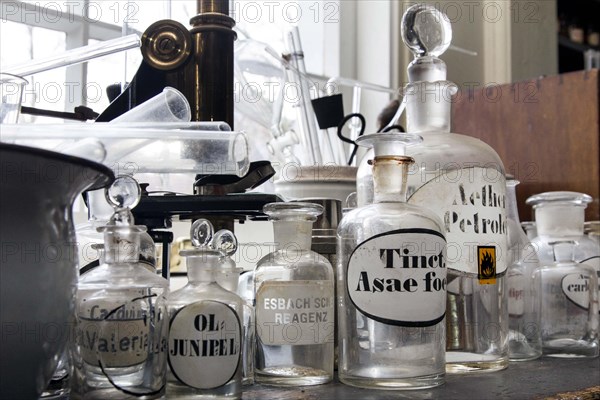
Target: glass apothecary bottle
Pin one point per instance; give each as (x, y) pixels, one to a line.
(524, 338)
(294, 303)
(462, 180)
(120, 346)
(560, 216)
(205, 334)
(391, 282)
(569, 312)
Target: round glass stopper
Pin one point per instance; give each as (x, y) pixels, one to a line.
(225, 241)
(125, 192)
(426, 31)
(201, 233)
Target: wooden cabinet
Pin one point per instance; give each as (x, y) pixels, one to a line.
(547, 132)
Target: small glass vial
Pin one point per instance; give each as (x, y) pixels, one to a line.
(205, 335)
(569, 300)
(120, 347)
(294, 303)
(524, 336)
(391, 282)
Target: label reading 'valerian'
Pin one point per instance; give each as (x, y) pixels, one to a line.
(472, 204)
(295, 313)
(205, 344)
(399, 277)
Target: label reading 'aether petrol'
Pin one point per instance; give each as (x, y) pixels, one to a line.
(399, 277)
(205, 344)
(472, 204)
(295, 313)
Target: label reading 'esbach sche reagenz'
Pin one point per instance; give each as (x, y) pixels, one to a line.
(472, 204)
(295, 312)
(205, 344)
(399, 277)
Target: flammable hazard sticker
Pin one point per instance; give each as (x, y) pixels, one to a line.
(486, 263)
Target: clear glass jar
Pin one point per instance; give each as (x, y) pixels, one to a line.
(524, 338)
(246, 292)
(569, 312)
(560, 216)
(391, 252)
(205, 336)
(121, 344)
(592, 230)
(530, 229)
(294, 303)
(462, 180)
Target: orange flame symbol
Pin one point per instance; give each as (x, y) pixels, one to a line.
(487, 265)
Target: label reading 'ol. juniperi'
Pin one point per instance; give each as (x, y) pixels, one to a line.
(399, 277)
(472, 204)
(205, 344)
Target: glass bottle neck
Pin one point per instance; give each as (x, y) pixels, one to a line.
(428, 106)
(293, 232)
(202, 268)
(390, 174)
(560, 220)
(121, 245)
(512, 210)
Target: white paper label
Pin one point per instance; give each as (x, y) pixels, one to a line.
(472, 204)
(577, 289)
(516, 295)
(295, 313)
(399, 277)
(205, 344)
(115, 334)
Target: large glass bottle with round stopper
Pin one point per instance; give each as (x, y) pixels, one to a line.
(462, 180)
(391, 275)
(121, 318)
(205, 335)
(294, 303)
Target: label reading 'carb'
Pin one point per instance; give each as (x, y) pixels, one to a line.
(577, 289)
(399, 277)
(295, 313)
(205, 344)
(472, 204)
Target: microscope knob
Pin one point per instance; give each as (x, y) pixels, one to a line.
(166, 45)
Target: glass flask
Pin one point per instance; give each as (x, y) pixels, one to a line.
(524, 336)
(569, 312)
(391, 253)
(120, 346)
(462, 180)
(294, 303)
(246, 292)
(205, 335)
(592, 230)
(560, 216)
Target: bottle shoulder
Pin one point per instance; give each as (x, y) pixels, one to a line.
(384, 217)
(192, 293)
(292, 257)
(133, 275)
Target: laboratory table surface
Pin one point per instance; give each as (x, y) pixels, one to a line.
(546, 378)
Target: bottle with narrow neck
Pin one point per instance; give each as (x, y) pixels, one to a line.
(462, 180)
(391, 252)
(523, 296)
(205, 334)
(123, 303)
(569, 304)
(294, 285)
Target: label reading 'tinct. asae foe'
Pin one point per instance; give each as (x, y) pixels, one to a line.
(295, 312)
(472, 204)
(205, 344)
(399, 277)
